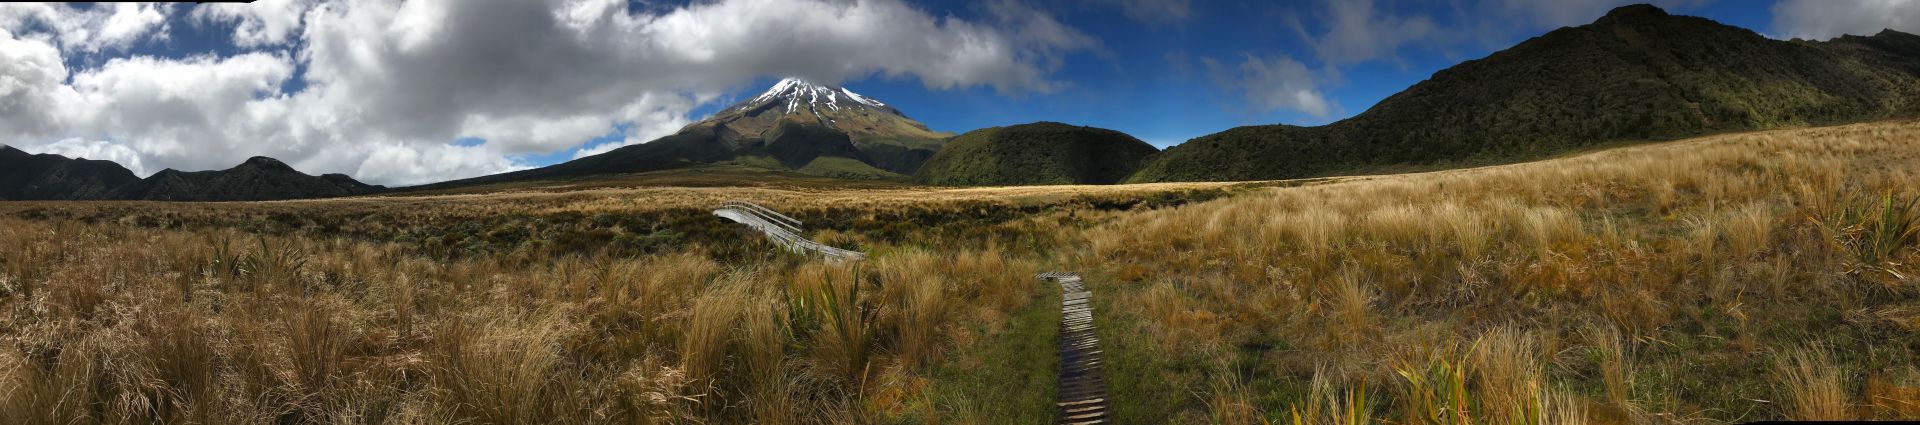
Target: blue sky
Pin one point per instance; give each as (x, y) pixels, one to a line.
(1147, 80)
(414, 91)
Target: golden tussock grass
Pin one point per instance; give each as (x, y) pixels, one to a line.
(1814, 387)
(1702, 254)
(1663, 282)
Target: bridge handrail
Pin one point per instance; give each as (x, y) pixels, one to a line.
(781, 232)
(761, 213)
(773, 216)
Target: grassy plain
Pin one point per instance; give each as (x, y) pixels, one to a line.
(1726, 278)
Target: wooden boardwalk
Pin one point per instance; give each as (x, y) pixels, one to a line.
(782, 230)
(1082, 396)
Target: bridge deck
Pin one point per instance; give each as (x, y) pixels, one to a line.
(1082, 392)
(782, 230)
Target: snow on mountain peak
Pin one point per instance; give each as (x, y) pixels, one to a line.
(797, 92)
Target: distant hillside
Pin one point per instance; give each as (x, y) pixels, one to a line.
(258, 179)
(1635, 74)
(27, 176)
(1037, 153)
(794, 126)
(52, 177)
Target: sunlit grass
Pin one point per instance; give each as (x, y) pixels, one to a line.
(1673, 282)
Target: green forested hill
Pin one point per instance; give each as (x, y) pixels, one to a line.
(1037, 153)
(1635, 74)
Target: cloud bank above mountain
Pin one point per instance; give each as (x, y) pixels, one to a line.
(1821, 20)
(382, 90)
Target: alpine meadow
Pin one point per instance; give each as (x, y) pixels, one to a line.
(1639, 217)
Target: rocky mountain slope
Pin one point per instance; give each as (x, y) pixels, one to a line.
(1637, 73)
(1037, 153)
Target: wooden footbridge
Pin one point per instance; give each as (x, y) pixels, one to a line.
(782, 230)
(1082, 396)
(1082, 392)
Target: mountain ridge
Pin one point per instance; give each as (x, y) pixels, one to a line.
(1637, 73)
(56, 177)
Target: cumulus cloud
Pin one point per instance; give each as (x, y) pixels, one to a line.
(101, 27)
(93, 149)
(1345, 33)
(1271, 84)
(1356, 31)
(1821, 20)
(384, 86)
(261, 23)
(1348, 32)
(31, 77)
(397, 162)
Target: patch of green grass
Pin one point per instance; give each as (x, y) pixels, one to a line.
(1008, 378)
(1142, 386)
(760, 161)
(846, 168)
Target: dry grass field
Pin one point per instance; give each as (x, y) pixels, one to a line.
(1721, 279)
(1728, 278)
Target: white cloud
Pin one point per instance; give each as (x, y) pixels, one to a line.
(1357, 32)
(645, 128)
(261, 23)
(31, 77)
(1272, 84)
(385, 85)
(192, 113)
(408, 163)
(107, 26)
(95, 149)
(1821, 20)
(1344, 33)
(1348, 32)
(604, 148)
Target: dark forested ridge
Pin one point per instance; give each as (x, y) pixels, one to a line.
(258, 179)
(26, 176)
(1637, 73)
(1037, 153)
(50, 177)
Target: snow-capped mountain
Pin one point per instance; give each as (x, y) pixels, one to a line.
(801, 101)
(794, 126)
(883, 136)
(797, 93)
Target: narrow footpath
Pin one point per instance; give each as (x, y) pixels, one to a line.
(1082, 396)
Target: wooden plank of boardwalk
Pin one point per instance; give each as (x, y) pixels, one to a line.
(1082, 392)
